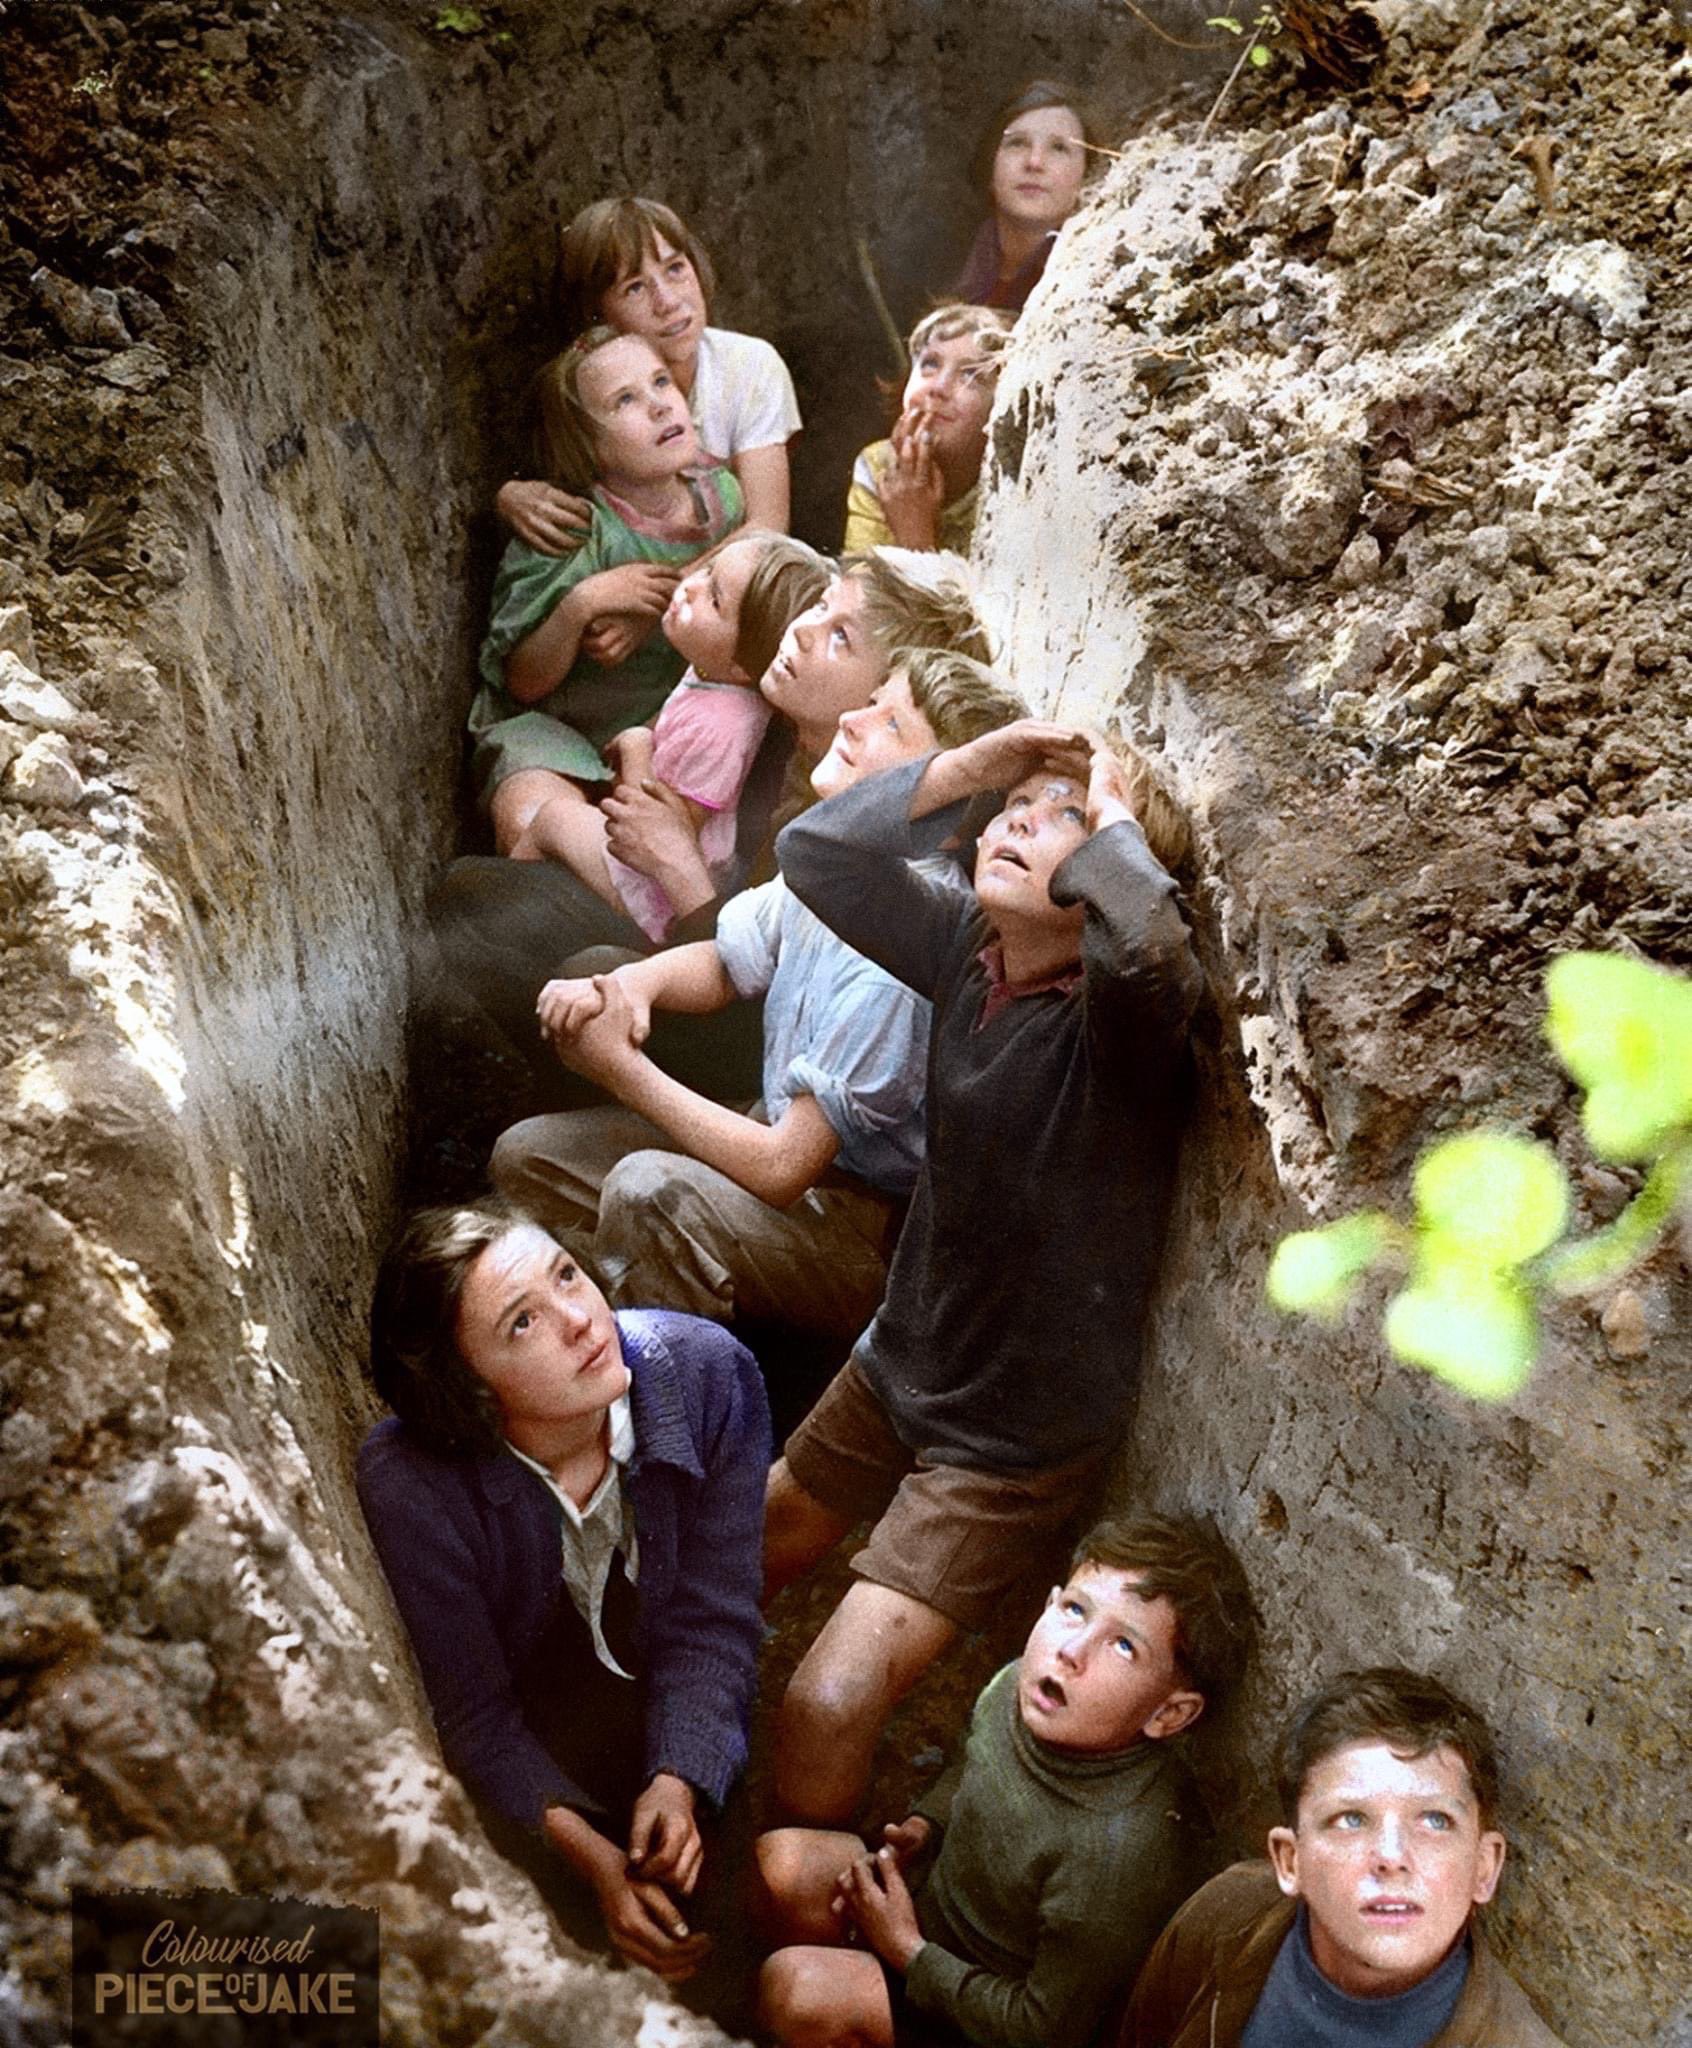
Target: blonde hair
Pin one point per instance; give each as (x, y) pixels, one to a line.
(565, 431)
(914, 599)
(1161, 818)
(960, 698)
(611, 238)
(955, 320)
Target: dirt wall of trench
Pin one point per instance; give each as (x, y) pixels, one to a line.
(270, 280)
(1352, 468)
(1428, 738)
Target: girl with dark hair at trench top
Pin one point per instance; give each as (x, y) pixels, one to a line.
(568, 1505)
(1035, 156)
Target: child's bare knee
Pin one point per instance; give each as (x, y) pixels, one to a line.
(834, 1700)
(782, 1864)
(795, 1998)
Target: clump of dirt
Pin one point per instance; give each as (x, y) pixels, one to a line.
(1366, 423)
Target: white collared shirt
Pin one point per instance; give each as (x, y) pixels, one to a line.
(593, 1534)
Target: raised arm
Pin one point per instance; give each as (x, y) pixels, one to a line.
(849, 858)
(1143, 980)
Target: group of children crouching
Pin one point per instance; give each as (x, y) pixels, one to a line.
(976, 986)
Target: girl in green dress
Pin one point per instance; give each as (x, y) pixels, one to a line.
(574, 654)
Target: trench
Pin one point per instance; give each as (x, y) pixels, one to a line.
(203, 1143)
(373, 285)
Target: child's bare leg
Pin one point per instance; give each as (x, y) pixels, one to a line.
(798, 1869)
(571, 831)
(873, 1648)
(799, 1531)
(518, 798)
(825, 1998)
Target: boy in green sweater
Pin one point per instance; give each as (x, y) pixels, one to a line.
(1067, 1829)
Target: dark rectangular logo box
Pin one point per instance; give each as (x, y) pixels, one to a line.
(219, 1970)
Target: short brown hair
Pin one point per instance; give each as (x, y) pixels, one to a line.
(960, 698)
(1029, 98)
(914, 599)
(610, 238)
(788, 579)
(1184, 1560)
(565, 431)
(1412, 1714)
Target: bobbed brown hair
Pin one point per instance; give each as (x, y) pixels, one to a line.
(1029, 98)
(566, 445)
(788, 578)
(415, 1359)
(1411, 1713)
(611, 237)
(1183, 1559)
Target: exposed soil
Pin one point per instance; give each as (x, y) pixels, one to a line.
(1346, 454)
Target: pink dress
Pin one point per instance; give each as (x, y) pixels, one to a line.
(704, 741)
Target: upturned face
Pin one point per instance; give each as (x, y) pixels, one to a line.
(828, 663)
(1390, 1858)
(1039, 168)
(642, 430)
(536, 1330)
(882, 733)
(951, 384)
(1100, 1668)
(662, 301)
(1044, 820)
(702, 620)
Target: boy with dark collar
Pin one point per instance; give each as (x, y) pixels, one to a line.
(1067, 1828)
(973, 1418)
(1359, 1932)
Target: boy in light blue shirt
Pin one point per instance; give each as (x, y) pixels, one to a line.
(785, 1214)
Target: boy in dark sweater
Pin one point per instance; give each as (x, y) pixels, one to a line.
(1068, 1830)
(976, 1410)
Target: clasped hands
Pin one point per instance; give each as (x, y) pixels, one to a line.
(872, 1894)
(595, 1024)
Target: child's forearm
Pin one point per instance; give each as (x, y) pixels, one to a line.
(777, 1163)
(539, 663)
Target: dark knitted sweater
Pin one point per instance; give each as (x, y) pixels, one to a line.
(1010, 1335)
(1056, 1874)
(471, 1549)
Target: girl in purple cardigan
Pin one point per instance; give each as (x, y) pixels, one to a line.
(568, 1507)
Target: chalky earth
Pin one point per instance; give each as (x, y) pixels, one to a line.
(1344, 455)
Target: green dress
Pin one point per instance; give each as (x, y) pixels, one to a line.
(566, 730)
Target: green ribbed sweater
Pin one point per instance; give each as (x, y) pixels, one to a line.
(1056, 1874)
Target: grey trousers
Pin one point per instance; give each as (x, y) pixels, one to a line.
(663, 1230)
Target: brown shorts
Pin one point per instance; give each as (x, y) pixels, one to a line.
(960, 1541)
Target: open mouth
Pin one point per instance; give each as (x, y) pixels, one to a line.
(676, 329)
(1050, 1694)
(1009, 855)
(1390, 1912)
(671, 434)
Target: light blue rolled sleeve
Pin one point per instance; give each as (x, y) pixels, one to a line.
(837, 1028)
